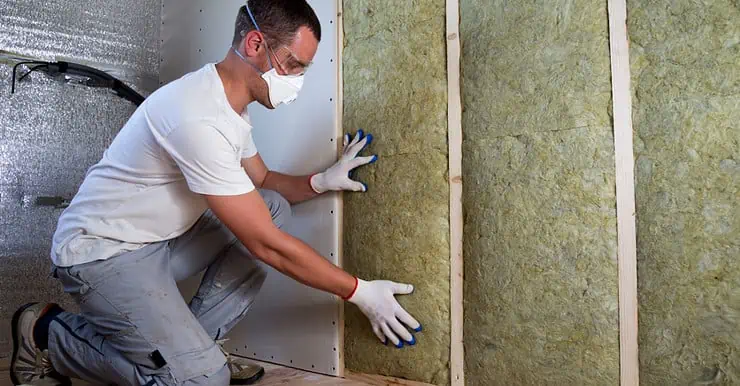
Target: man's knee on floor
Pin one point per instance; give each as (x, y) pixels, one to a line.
(279, 207)
(203, 366)
(221, 377)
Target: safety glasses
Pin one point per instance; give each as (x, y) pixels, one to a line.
(290, 64)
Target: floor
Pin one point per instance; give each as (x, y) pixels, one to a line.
(279, 375)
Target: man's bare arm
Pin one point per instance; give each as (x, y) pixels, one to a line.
(301, 188)
(248, 218)
(295, 189)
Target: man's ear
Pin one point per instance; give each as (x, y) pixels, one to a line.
(253, 43)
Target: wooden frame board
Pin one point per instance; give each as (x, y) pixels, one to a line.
(454, 129)
(340, 205)
(625, 181)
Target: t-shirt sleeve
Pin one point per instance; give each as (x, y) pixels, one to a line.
(208, 160)
(249, 149)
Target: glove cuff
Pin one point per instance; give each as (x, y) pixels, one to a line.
(354, 290)
(311, 183)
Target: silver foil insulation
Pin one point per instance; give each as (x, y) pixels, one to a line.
(52, 132)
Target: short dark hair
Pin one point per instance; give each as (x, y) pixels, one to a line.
(279, 20)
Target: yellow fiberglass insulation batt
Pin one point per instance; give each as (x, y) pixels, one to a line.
(395, 87)
(686, 98)
(539, 194)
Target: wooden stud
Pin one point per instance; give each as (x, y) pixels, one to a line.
(454, 130)
(338, 140)
(625, 163)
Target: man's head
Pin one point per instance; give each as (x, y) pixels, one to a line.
(275, 34)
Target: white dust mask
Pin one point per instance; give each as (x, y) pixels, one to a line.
(282, 88)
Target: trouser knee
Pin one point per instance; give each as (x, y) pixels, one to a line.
(220, 378)
(278, 206)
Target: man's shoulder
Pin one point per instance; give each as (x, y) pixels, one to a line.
(190, 94)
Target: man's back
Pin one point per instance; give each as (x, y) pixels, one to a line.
(137, 193)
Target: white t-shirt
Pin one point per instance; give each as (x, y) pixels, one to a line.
(183, 141)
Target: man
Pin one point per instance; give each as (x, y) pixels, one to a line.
(182, 189)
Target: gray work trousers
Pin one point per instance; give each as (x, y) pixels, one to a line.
(135, 328)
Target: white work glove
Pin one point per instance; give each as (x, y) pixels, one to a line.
(337, 177)
(376, 299)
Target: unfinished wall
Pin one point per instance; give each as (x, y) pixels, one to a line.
(686, 84)
(395, 87)
(539, 194)
(50, 133)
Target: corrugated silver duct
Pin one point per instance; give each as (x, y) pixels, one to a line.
(51, 132)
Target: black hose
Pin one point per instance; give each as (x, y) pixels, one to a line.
(98, 78)
(15, 68)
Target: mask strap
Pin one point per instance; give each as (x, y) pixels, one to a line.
(251, 17)
(246, 61)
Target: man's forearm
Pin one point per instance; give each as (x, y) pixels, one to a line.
(295, 189)
(248, 218)
(294, 258)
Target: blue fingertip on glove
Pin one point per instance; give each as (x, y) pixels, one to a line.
(375, 158)
(365, 185)
(400, 344)
(418, 329)
(413, 341)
